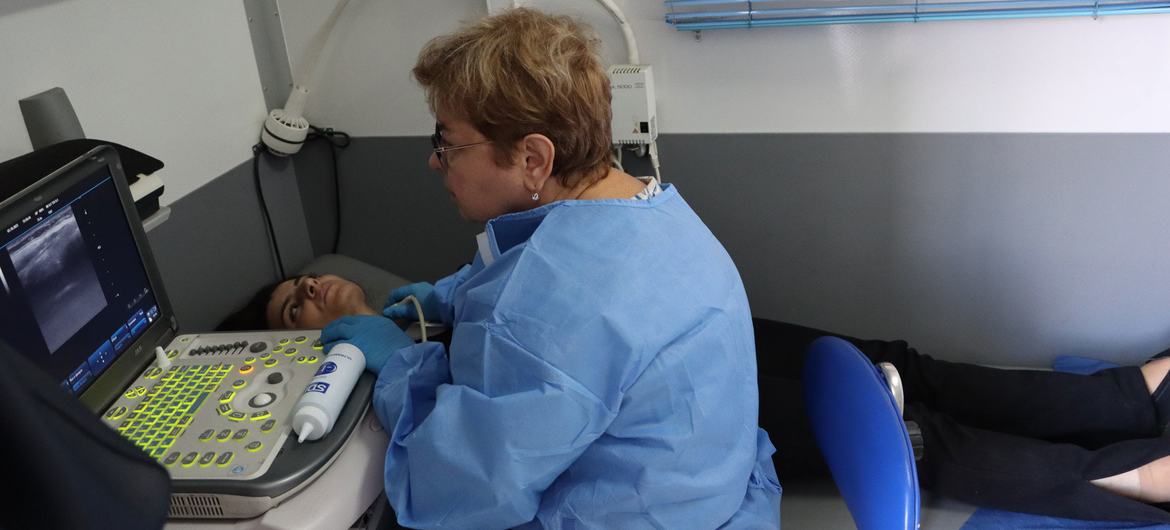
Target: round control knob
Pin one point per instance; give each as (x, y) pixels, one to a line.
(275, 378)
(260, 400)
(258, 347)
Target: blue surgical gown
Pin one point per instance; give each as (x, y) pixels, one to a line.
(601, 374)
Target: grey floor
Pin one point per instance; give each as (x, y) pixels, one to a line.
(816, 505)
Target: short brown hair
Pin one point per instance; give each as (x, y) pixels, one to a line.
(525, 72)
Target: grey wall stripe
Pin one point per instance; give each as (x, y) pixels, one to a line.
(213, 252)
(1001, 248)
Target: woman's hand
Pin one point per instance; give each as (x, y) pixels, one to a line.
(378, 338)
(423, 291)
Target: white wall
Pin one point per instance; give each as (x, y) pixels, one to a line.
(1042, 75)
(175, 79)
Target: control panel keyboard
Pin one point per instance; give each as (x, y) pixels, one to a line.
(223, 408)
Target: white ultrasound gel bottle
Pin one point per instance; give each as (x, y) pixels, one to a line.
(317, 410)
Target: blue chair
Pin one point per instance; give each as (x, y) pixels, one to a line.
(856, 414)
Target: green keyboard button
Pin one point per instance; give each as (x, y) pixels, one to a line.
(171, 459)
(284, 341)
(172, 354)
(240, 435)
(262, 415)
(224, 409)
(254, 446)
(301, 339)
(223, 435)
(237, 416)
(135, 392)
(290, 351)
(189, 459)
(270, 363)
(225, 459)
(268, 425)
(207, 459)
(227, 396)
(116, 412)
(239, 383)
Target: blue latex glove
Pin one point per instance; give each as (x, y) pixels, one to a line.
(427, 298)
(378, 338)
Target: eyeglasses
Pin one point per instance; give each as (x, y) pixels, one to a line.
(439, 148)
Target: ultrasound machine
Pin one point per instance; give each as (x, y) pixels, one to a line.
(82, 299)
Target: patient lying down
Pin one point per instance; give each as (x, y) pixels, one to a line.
(1087, 447)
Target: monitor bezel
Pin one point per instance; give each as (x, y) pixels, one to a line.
(129, 364)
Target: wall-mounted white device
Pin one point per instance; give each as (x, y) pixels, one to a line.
(285, 129)
(635, 121)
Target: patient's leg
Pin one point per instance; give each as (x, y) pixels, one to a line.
(1016, 473)
(1148, 483)
(1094, 410)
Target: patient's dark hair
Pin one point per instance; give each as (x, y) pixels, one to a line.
(255, 314)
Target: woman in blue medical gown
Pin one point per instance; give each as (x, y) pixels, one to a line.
(601, 371)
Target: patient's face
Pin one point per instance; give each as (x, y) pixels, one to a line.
(311, 302)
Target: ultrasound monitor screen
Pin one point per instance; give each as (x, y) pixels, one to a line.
(73, 288)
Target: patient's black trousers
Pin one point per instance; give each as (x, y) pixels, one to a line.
(1019, 440)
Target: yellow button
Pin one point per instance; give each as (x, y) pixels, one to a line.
(134, 392)
(257, 416)
(301, 339)
(246, 369)
(189, 460)
(284, 341)
(249, 359)
(270, 363)
(313, 359)
(239, 383)
(225, 459)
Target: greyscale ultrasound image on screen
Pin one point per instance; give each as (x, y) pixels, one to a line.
(58, 277)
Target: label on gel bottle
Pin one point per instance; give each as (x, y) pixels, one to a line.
(318, 409)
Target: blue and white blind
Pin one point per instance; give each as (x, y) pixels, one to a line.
(698, 15)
